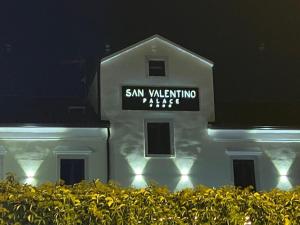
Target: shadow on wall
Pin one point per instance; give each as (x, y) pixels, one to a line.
(294, 171)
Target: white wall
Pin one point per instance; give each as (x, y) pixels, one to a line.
(277, 153)
(192, 147)
(205, 157)
(32, 155)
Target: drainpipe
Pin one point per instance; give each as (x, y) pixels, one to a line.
(98, 88)
(108, 154)
(99, 115)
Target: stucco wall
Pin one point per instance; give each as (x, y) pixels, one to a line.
(192, 147)
(276, 162)
(200, 156)
(33, 156)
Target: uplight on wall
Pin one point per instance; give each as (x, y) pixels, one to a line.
(139, 177)
(184, 177)
(284, 182)
(30, 174)
(282, 159)
(184, 165)
(184, 182)
(139, 181)
(137, 162)
(30, 168)
(30, 180)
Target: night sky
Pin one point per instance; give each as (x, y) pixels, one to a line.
(255, 45)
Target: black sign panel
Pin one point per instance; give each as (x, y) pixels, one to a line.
(160, 98)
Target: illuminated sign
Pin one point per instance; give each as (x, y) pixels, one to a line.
(160, 98)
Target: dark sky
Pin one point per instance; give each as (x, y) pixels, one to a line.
(254, 44)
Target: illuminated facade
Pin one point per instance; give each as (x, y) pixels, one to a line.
(157, 111)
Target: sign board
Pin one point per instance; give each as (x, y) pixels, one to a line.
(160, 98)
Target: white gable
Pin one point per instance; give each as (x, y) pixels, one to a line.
(129, 67)
(154, 38)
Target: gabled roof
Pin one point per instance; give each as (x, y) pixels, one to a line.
(156, 36)
(17, 111)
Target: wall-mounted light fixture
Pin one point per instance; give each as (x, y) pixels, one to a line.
(139, 181)
(184, 177)
(184, 182)
(284, 182)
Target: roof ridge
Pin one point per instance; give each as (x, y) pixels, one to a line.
(137, 44)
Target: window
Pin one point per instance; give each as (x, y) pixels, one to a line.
(157, 68)
(244, 164)
(72, 170)
(72, 163)
(244, 174)
(158, 139)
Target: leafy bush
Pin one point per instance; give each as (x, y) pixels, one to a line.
(98, 203)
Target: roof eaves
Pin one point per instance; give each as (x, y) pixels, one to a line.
(94, 124)
(250, 127)
(131, 47)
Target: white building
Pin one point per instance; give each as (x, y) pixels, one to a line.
(157, 107)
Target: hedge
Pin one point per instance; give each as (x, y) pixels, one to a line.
(97, 203)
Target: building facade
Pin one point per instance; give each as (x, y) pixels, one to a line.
(156, 102)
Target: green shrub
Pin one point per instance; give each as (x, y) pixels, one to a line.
(98, 203)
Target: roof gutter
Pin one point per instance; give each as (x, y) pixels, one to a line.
(92, 124)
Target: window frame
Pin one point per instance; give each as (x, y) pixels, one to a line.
(85, 157)
(156, 58)
(245, 155)
(172, 145)
(255, 178)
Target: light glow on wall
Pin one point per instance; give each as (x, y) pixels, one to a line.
(30, 139)
(184, 165)
(265, 134)
(30, 168)
(269, 130)
(137, 162)
(284, 182)
(283, 165)
(263, 130)
(34, 129)
(282, 159)
(184, 178)
(278, 141)
(30, 180)
(139, 181)
(184, 182)
(48, 133)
